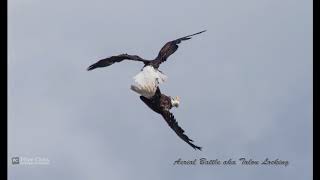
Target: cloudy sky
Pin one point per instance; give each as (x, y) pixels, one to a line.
(245, 88)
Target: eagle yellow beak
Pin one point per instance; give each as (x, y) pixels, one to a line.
(175, 101)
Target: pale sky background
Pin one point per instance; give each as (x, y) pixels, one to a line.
(245, 88)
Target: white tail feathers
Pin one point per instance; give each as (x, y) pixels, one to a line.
(147, 81)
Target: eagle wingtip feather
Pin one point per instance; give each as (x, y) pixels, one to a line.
(197, 148)
(90, 68)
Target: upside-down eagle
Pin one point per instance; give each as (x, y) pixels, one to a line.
(162, 104)
(147, 84)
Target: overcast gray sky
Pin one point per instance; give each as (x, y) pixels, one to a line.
(245, 88)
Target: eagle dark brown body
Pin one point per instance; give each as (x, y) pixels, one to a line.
(158, 103)
(161, 104)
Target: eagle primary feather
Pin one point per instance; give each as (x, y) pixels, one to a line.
(170, 119)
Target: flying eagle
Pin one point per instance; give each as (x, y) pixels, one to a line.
(168, 49)
(162, 104)
(147, 83)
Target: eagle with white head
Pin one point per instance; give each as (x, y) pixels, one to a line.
(146, 83)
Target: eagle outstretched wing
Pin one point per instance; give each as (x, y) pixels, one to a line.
(169, 48)
(170, 119)
(113, 59)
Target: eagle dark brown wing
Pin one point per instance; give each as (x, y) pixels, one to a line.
(154, 102)
(169, 48)
(168, 116)
(113, 59)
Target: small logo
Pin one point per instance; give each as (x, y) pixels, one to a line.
(15, 160)
(30, 160)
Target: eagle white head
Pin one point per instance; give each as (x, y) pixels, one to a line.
(175, 101)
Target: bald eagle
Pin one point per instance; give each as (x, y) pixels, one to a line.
(146, 83)
(168, 49)
(162, 104)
